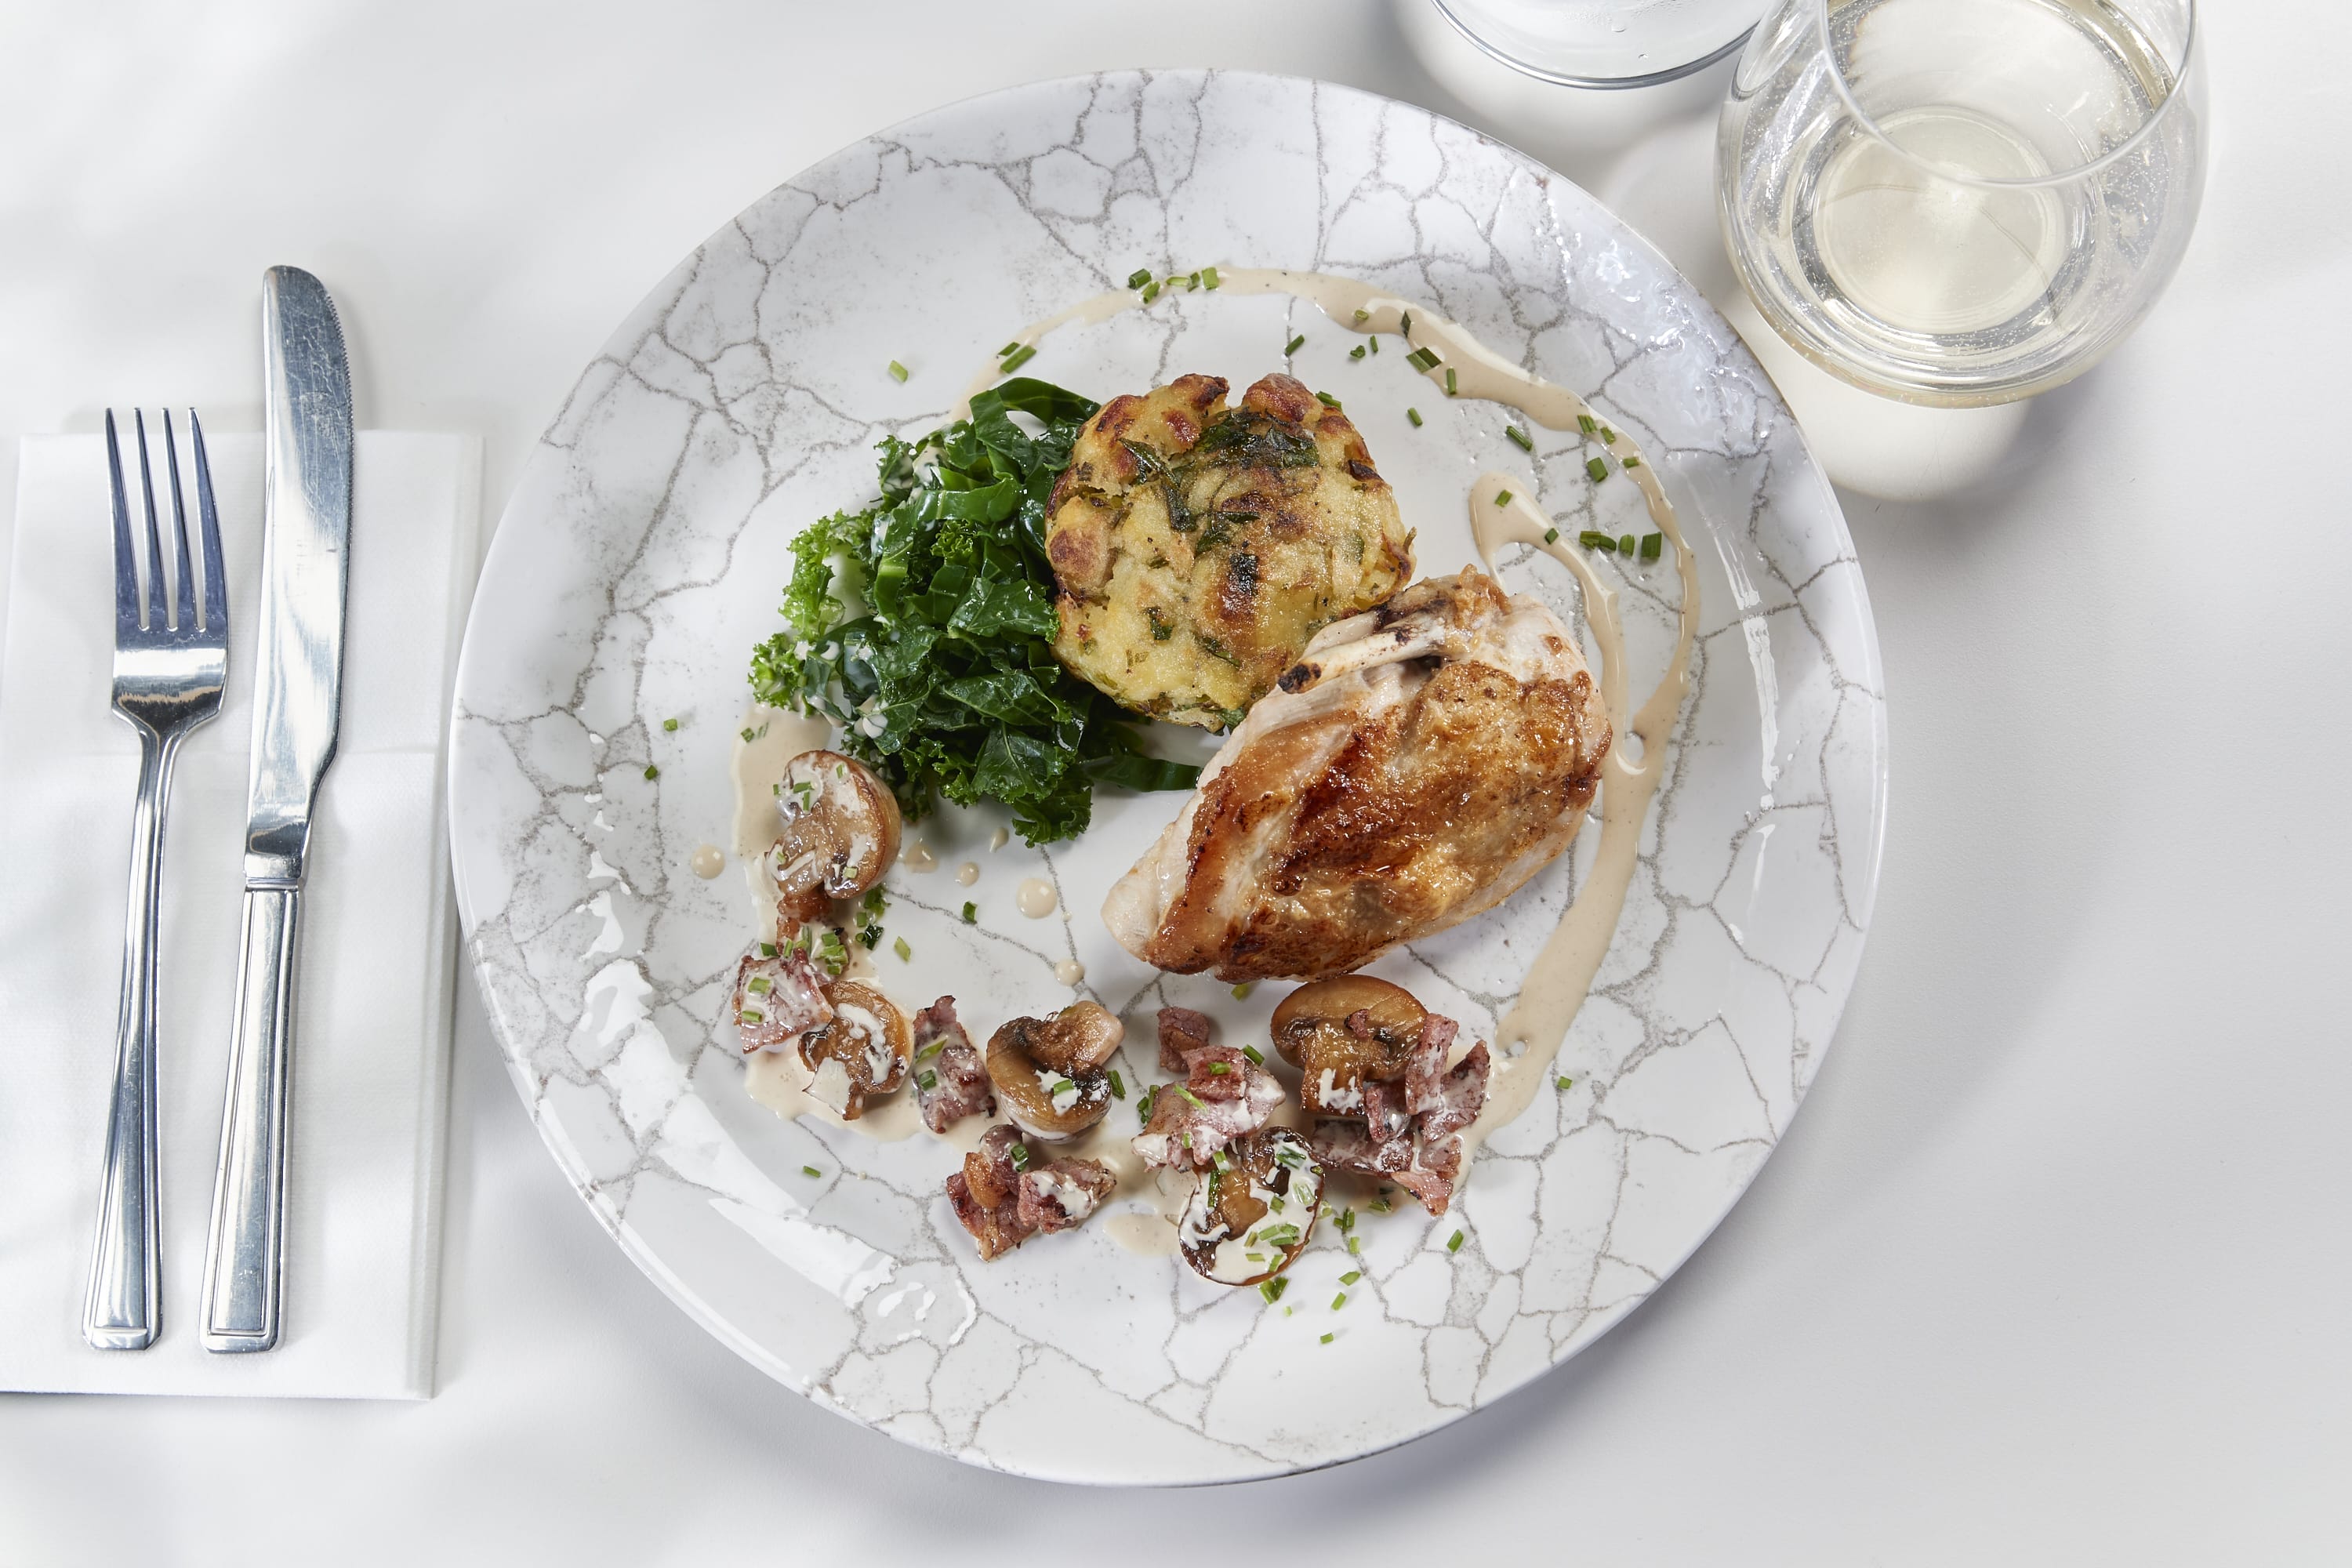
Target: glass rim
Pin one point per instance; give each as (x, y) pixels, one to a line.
(1863, 117)
(1659, 77)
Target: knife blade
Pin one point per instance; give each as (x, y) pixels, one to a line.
(297, 712)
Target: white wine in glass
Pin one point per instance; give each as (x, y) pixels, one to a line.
(1961, 201)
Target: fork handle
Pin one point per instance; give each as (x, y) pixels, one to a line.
(244, 1270)
(124, 1308)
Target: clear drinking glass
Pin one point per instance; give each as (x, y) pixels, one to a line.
(1961, 202)
(1603, 43)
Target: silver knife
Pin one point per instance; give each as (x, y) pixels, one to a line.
(297, 708)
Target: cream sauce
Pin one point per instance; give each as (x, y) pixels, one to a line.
(706, 862)
(1069, 972)
(916, 856)
(968, 873)
(996, 840)
(1036, 897)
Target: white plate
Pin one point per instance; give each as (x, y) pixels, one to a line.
(644, 553)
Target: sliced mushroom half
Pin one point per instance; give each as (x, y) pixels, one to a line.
(1047, 1102)
(1343, 1033)
(1254, 1210)
(1081, 1038)
(836, 832)
(862, 1051)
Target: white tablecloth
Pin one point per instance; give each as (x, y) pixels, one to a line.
(2050, 1270)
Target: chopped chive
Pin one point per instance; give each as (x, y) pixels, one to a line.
(1327, 1339)
(1190, 1099)
(1563, 1080)
(1373, 342)
(1625, 543)
(1454, 1245)
(1352, 1276)
(746, 734)
(1008, 348)
(1652, 546)
(1405, 326)
(1220, 1069)
(1192, 280)
(1346, 1220)
(1244, 989)
(1502, 498)
(670, 725)
(1327, 400)
(1118, 1087)
(897, 370)
(1016, 359)
(928, 1078)
(767, 949)
(1607, 435)
(1597, 468)
(758, 985)
(1450, 390)
(1252, 1052)
(1423, 359)
(1633, 462)
(1272, 1289)
(1591, 540)
(1339, 1300)
(898, 945)
(1208, 277)
(1363, 315)
(970, 912)
(1292, 346)
(750, 1015)
(1150, 292)
(1551, 536)
(1019, 1155)
(1356, 352)
(1138, 278)
(1526, 443)
(811, 1171)
(1413, 416)
(1585, 423)
(1353, 1241)
(652, 772)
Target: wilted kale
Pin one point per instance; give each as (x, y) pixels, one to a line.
(933, 649)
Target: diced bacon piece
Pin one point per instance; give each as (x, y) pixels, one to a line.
(1061, 1193)
(1461, 1094)
(1385, 1116)
(951, 1077)
(1181, 1032)
(1187, 1127)
(1217, 1072)
(777, 1000)
(1427, 1170)
(985, 1194)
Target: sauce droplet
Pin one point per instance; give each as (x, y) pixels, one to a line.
(1069, 972)
(1035, 899)
(996, 840)
(708, 861)
(918, 856)
(968, 873)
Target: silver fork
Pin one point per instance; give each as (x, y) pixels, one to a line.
(169, 664)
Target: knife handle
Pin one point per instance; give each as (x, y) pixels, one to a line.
(244, 1270)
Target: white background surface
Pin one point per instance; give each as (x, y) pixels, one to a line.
(2051, 1268)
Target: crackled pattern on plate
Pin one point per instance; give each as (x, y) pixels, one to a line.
(642, 556)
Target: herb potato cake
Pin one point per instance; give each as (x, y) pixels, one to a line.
(1196, 547)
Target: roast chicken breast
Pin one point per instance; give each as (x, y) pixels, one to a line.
(1416, 766)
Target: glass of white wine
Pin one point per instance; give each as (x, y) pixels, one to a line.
(1961, 202)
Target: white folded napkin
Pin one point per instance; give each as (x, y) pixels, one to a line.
(372, 1046)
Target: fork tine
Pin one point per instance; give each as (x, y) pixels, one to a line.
(126, 563)
(152, 617)
(215, 620)
(184, 572)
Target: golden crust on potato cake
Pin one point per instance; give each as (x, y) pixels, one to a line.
(1197, 548)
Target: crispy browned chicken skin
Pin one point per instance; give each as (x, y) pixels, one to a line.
(1419, 764)
(1196, 548)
